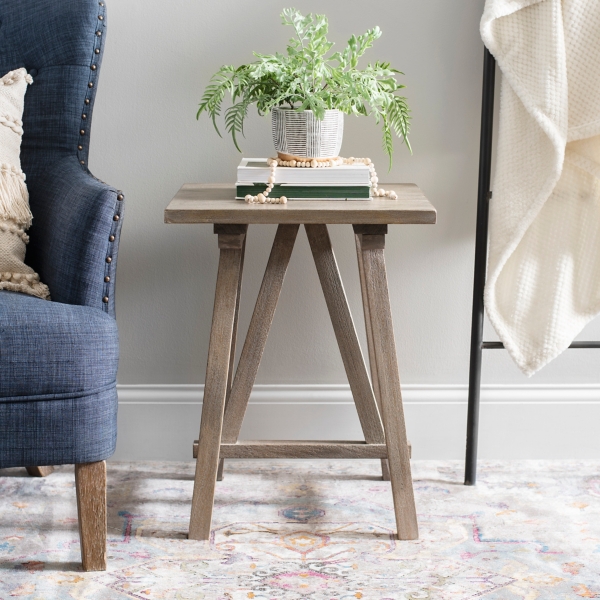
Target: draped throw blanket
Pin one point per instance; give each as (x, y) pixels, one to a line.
(543, 282)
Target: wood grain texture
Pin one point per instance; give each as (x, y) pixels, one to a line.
(233, 342)
(215, 391)
(385, 469)
(390, 394)
(372, 242)
(90, 485)
(367, 316)
(345, 333)
(258, 331)
(303, 449)
(40, 471)
(220, 468)
(326, 443)
(215, 203)
(231, 241)
(235, 321)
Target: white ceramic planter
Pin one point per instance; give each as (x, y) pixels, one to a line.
(302, 135)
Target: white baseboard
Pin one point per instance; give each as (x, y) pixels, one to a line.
(530, 421)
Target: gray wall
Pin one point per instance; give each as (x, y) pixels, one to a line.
(159, 57)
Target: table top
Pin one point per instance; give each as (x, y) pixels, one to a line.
(215, 203)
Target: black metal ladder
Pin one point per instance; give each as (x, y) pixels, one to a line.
(484, 195)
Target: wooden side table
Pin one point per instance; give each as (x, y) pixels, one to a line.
(378, 398)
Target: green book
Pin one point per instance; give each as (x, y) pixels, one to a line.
(310, 192)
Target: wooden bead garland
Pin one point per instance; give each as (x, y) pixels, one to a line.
(273, 163)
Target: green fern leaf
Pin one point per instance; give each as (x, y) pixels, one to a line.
(234, 120)
(388, 143)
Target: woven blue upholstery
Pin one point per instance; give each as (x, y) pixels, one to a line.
(58, 360)
(73, 220)
(54, 350)
(54, 432)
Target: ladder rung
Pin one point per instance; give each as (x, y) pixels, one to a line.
(500, 345)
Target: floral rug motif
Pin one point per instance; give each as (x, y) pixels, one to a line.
(320, 530)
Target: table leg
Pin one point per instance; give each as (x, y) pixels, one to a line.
(258, 331)
(231, 239)
(373, 243)
(345, 333)
(385, 469)
(233, 345)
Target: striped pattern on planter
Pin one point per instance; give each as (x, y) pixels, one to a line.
(302, 134)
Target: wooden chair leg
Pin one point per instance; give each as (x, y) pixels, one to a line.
(40, 471)
(392, 411)
(90, 483)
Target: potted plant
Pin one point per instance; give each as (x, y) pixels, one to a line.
(308, 92)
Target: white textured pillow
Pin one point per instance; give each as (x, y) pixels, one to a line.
(15, 216)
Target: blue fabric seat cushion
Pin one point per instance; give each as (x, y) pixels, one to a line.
(53, 351)
(64, 431)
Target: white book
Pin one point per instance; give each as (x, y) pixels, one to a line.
(292, 199)
(256, 170)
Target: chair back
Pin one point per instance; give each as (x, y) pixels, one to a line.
(60, 44)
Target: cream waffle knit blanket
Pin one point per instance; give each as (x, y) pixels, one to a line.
(543, 282)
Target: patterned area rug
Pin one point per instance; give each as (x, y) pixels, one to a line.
(296, 530)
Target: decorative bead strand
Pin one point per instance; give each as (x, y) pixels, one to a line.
(263, 198)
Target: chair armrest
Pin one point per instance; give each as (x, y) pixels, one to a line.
(74, 238)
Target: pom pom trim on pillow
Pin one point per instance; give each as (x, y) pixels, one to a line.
(14, 197)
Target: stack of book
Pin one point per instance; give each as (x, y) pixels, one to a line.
(346, 182)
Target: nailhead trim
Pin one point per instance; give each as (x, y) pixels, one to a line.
(111, 239)
(82, 148)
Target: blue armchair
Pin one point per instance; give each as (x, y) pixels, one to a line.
(58, 359)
